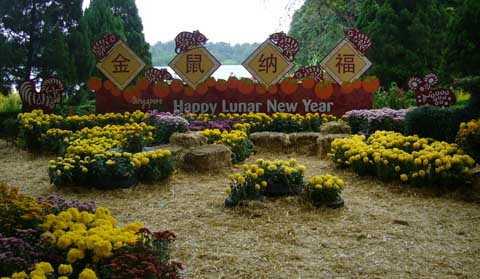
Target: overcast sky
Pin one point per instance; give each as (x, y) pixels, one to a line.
(231, 21)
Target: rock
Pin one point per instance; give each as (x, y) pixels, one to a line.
(271, 141)
(207, 158)
(335, 128)
(188, 139)
(324, 142)
(304, 142)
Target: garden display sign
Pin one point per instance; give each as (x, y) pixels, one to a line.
(193, 63)
(268, 91)
(347, 61)
(116, 60)
(50, 95)
(426, 95)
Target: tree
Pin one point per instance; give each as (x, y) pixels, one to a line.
(33, 33)
(133, 28)
(408, 37)
(462, 56)
(319, 25)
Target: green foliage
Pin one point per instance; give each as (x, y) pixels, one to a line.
(437, 123)
(408, 37)
(163, 53)
(319, 25)
(393, 97)
(461, 54)
(10, 103)
(34, 40)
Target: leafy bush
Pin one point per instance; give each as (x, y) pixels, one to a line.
(369, 121)
(411, 159)
(166, 124)
(10, 103)
(468, 138)
(77, 244)
(394, 98)
(283, 177)
(434, 122)
(237, 140)
(323, 189)
(246, 185)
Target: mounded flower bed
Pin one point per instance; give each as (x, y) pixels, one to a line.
(46, 238)
(413, 160)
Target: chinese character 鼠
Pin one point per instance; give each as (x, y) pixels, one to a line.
(194, 63)
(266, 63)
(346, 63)
(120, 64)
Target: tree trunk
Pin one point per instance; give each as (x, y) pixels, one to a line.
(31, 43)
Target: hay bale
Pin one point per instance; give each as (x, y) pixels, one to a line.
(271, 141)
(324, 142)
(188, 139)
(304, 142)
(335, 128)
(207, 158)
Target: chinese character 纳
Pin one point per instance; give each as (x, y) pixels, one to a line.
(120, 64)
(194, 63)
(267, 62)
(346, 63)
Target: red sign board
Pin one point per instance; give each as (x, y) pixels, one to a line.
(227, 99)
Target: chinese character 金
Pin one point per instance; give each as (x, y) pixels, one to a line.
(266, 63)
(194, 63)
(345, 63)
(120, 64)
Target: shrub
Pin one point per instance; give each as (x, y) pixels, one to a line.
(411, 159)
(323, 189)
(283, 177)
(369, 121)
(434, 122)
(394, 98)
(468, 138)
(246, 185)
(153, 165)
(10, 103)
(166, 124)
(237, 140)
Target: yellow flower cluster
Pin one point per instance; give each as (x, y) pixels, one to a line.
(286, 167)
(469, 128)
(44, 270)
(144, 158)
(58, 132)
(79, 232)
(18, 210)
(39, 119)
(326, 181)
(118, 132)
(230, 138)
(392, 155)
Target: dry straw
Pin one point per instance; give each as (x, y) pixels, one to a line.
(385, 231)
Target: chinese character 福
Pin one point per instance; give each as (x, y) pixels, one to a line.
(346, 63)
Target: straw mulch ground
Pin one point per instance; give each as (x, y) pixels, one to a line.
(385, 231)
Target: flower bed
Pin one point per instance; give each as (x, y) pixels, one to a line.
(413, 160)
(36, 123)
(166, 124)
(237, 140)
(41, 240)
(468, 138)
(278, 122)
(371, 120)
(324, 190)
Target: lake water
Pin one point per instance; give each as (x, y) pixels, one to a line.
(224, 71)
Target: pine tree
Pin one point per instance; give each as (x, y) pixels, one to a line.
(32, 32)
(407, 36)
(133, 28)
